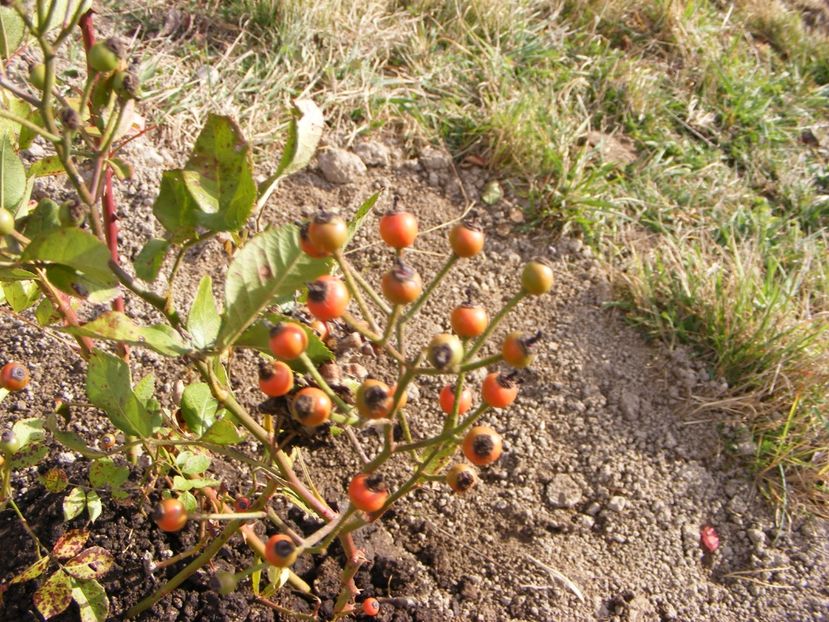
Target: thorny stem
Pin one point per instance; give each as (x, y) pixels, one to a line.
(354, 559)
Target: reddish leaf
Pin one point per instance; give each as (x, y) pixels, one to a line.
(71, 543)
(709, 539)
(92, 563)
(54, 595)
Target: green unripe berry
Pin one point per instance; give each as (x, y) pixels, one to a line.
(37, 76)
(537, 278)
(71, 214)
(126, 84)
(9, 443)
(223, 582)
(6, 222)
(445, 351)
(102, 58)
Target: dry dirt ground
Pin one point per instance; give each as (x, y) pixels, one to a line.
(606, 479)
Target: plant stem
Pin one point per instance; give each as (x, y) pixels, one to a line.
(355, 291)
(322, 384)
(70, 318)
(372, 293)
(508, 306)
(210, 550)
(430, 288)
(5, 114)
(391, 322)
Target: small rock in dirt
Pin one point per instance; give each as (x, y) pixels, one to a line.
(616, 504)
(434, 159)
(757, 537)
(629, 403)
(341, 167)
(356, 370)
(563, 492)
(373, 153)
(65, 458)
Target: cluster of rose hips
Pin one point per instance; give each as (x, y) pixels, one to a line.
(328, 299)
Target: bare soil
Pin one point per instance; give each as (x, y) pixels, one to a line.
(607, 477)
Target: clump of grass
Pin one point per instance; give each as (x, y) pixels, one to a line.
(712, 97)
(744, 296)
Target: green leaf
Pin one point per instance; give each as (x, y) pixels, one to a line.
(32, 455)
(144, 389)
(304, 135)
(29, 431)
(70, 543)
(15, 274)
(46, 167)
(123, 170)
(150, 259)
(92, 563)
(21, 294)
(32, 572)
(223, 432)
(12, 29)
(17, 107)
(180, 483)
(108, 385)
(278, 576)
(361, 213)
(116, 326)
(175, 207)
(203, 321)
(43, 218)
(75, 248)
(191, 463)
(12, 176)
(45, 313)
(189, 501)
(74, 503)
(93, 505)
(215, 189)
(271, 264)
(198, 407)
(92, 600)
(104, 473)
(27, 136)
(79, 285)
(70, 440)
(492, 193)
(257, 336)
(54, 596)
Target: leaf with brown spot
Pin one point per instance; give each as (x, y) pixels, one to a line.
(70, 544)
(32, 572)
(93, 563)
(54, 595)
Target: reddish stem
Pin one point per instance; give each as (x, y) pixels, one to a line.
(111, 227)
(87, 29)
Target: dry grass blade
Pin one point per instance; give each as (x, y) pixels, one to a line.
(559, 576)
